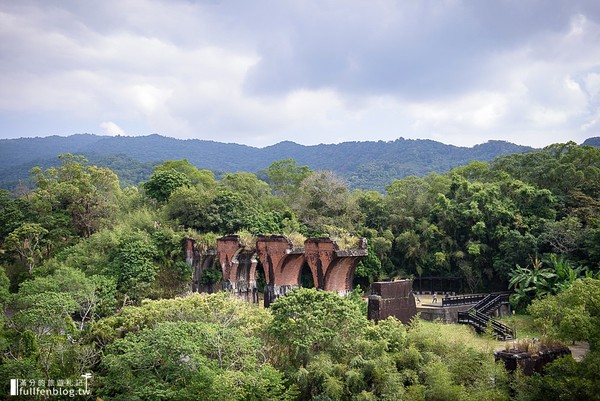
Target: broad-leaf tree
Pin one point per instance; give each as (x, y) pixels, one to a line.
(27, 242)
(163, 183)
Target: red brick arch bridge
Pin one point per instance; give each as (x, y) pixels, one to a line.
(332, 268)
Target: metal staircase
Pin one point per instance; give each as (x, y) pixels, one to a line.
(479, 316)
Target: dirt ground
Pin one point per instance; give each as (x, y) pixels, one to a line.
(579, 350)
(427, 300)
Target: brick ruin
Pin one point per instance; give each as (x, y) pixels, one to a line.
(394, 298)
(200, 258)
(282, 264)
(332, 269)
(531, 362)
(238, 265)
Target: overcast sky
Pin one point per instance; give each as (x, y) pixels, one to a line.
(310, 71)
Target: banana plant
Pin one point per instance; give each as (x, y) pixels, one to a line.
(566, 274)
(530, 283)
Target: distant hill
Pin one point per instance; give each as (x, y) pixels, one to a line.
(365, 165)
(592, 142)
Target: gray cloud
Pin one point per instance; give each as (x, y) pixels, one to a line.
(409, 49)
(311, 71)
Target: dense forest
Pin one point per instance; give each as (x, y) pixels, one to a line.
(364, 165)
(94, 280)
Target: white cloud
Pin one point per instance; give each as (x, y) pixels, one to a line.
(306, 71)
(111, 128)
(592, 84)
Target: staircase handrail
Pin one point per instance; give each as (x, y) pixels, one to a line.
(491, 301)
(491, 304)
(479, 317)
(462, 299)
(480, 322)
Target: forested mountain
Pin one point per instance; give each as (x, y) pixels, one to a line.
(94, 279)
(595, 141)
(365, 165)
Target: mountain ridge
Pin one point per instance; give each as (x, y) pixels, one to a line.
(364, 164)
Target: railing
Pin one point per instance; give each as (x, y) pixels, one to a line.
(480, 322)
(462, 299)
(479, 316)
(493, 302)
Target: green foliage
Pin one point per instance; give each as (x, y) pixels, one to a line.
(374, 209)
(439, 384)
(199, 179)
(12, 213)
(189, 360)
(322, 200)
(228, 212)
(163, 183)
(307, 321)
(356, 296)
(369, 268)
(86, 194)
(4, 288)
(563, 379)
(213, 308)
(133, 265)
(478, 222)
(531, 283)
(27, 241)
(79, 296)
(566, 274)
(285, 177)
(44, 312)
(211, 276)
(188, 207)
(248, 185)
(573, 314)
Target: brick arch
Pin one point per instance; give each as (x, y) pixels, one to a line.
(332, 268)
(200, 258)
(282, 264)
(238, 265)
(320, 253)
(340, 275)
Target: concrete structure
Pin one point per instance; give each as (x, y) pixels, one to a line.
(200, 258)
(332, 269)
(447, 314)
(394, 298)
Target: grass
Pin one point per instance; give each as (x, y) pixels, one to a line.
(533, 347)
(456, 335)
(523, 325)
(247, 239)
(297, 239)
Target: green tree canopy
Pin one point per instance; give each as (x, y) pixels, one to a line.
(200, 179)
(572, 314)
(308, 321)
(27, 242)
(285, 177)
(163, 183)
